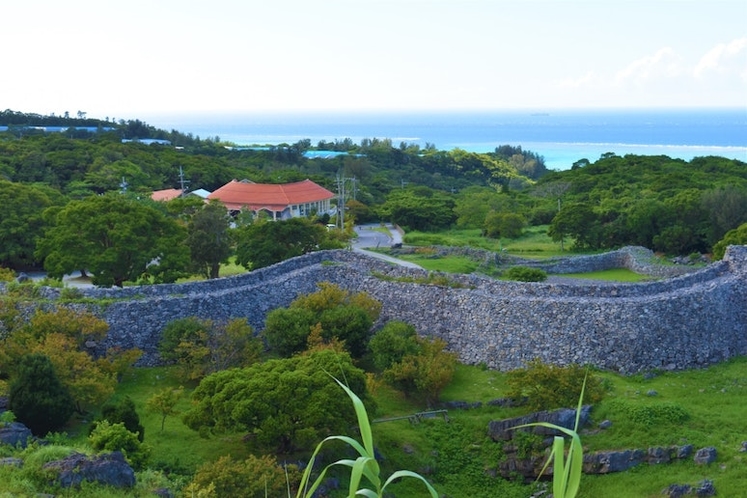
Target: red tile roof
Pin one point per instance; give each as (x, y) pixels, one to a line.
(256, 196)
(166, 195)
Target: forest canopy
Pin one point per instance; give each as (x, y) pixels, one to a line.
(668, 205)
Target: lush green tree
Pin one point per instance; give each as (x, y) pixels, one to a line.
(393, 342)
(545, 386)
(330, 296)
(164, 403)
(266, 243)
(184, 341)
(424, 374)
(726, 209)
(255, 477)
(209, 239)
(115, 437)
(199, 347)
(287, 330)
(61, 335)
(115, 237)
(504, 224)
(349, 324)
(577, 221)
(123, 411)
(21, 221)
(474, 203)
(37, 397)
(419, 209)
(735, 237)
(342, 315)
(233, 344)
(285, 404)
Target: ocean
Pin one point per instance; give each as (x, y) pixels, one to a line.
(561, 137)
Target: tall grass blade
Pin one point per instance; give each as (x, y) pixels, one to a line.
(567, 469)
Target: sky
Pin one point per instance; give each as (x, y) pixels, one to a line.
(144, 57)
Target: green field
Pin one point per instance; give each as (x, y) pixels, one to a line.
(533, 243)
(456, 454)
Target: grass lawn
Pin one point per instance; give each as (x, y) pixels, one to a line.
(699, 407)
(177, 448)
(613, 275)
(534, 242)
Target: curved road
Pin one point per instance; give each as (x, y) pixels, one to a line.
(372, 237)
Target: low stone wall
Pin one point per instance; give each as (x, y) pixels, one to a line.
(683, 322)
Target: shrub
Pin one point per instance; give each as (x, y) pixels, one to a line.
(115, 437)
(124, 412)
(7, 275)
(394, 341)
(37, 397)
(654, 414)
(547, 387)
(200, 347)
(525, 274)
(185, 342)
(70, 294)
(255, 477)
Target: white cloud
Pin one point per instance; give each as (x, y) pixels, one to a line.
(664, 63)
(588, 79)
(723, 58)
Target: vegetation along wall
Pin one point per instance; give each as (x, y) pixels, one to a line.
(682, 322)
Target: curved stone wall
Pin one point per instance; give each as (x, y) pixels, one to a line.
(682, 322)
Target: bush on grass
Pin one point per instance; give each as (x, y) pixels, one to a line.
(546, 387)
(525, 274)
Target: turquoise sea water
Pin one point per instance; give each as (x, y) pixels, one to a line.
(561, 137)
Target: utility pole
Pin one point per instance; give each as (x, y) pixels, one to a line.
(342, 195)
(340, 202)
(182, 182)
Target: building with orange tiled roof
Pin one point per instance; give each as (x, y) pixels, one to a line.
(166, 194)
(281, 201)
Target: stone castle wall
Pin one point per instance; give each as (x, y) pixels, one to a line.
(688, 321)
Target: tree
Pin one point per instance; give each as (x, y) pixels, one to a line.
(209, 239)
(265, 243)
(37, 397)
(62, 336)
(117, 238)
(424, 374)
(287, 330)
(578, 221)
(199, 347)
(115, 437)
(504, 224)
(735, 237)
(255, 477)
(423, 209)
(185, 342)
(726, 209)
(393, 342)
(545, 386)
(124, 412)
(21, 221)
(164, 403)
(342, 316)
(284, 404)
(233, 344)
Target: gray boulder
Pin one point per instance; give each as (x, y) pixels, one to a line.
(14, 434)
(705, 456)
(503, 430)
(107, 468)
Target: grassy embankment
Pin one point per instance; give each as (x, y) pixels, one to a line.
(533, 244)
(699, 407)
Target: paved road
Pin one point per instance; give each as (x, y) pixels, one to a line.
(372, 237)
